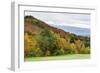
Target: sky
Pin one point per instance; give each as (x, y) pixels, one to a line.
(64, 19)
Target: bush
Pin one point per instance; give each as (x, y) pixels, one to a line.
(85, 50)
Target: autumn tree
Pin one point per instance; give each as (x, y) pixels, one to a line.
(78, 44)
(46, 41)
(31, 45)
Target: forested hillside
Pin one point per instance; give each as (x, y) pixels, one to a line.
(41, 39)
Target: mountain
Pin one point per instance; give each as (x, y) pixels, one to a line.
(75, 30)
(34, 25)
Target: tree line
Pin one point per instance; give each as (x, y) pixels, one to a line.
(48, 43)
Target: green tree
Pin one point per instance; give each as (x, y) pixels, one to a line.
(46, 41)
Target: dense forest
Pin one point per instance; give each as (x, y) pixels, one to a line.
(41, 39)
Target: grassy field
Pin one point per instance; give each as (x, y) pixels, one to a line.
(62, 57)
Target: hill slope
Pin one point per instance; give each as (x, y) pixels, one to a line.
(47, 40)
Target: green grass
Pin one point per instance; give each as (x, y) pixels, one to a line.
(62, 57)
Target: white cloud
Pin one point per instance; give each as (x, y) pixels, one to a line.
(76, 20)
(73, 25)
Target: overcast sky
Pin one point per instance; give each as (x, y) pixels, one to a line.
(63, 19)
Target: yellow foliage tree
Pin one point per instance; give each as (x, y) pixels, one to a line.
(30, 44)
(73, 48)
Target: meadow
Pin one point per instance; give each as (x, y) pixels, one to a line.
(61, 57)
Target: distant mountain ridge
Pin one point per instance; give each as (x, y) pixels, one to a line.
(74, 30)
